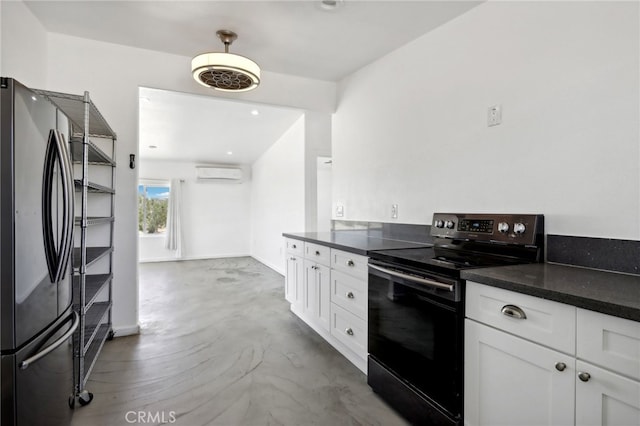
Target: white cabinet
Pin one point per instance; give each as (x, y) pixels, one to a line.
(606, 398)
(349, 295)
(316, 293)
(511, 381)
(327, 289)
(522, 372)
(294, 280)
(608, 381)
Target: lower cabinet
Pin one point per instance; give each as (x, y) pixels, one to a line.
(327, 289)
(294, 280)
(316, 291)
(606, 398)
(512, 378)
(511, 381)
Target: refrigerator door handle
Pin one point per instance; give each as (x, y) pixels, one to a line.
(57, 253)
(47, 219)
(27, 362)
(64, 252)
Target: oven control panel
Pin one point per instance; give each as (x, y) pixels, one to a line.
(505, 228)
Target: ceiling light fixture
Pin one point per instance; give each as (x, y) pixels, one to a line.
(255, 112)
(226, 71)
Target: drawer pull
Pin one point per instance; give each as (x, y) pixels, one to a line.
(560, 366)
(317, 253)
(584, 376)
(350, 263)
(350, 295)
(349, 331)
(294, 246)
(292, 258)
(513, 311)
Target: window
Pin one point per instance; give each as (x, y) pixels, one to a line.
(153, 200)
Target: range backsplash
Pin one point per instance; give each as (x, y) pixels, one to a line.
(598, 253)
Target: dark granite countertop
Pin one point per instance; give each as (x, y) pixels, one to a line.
(353, 242)
(606, 292)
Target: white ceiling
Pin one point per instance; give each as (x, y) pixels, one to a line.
(295, 37)
(186, 127)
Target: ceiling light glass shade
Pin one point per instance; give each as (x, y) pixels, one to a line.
(226, 72)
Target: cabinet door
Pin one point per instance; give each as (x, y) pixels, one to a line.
(323, 296)
(511, 381)
(293, 280)
(606, 398)
(309, 292)
(317, 293)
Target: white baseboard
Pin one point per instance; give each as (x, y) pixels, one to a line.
(269, 265)
(126, 330)
(175, 259)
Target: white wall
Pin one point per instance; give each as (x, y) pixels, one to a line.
(215, 215)
(112, 74)
(23, 50)
(323, 186)
(411, 128)
(277, 196)
(317, 144)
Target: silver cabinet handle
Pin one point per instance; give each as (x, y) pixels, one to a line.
(27, 362)
(513, 311)
(349, 331)
(560, 366)
(317, 253)
(350, 295)
(350, 263)
(584, 376)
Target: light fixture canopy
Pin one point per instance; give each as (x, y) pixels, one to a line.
(226, 71)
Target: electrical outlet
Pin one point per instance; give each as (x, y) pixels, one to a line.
(494, 115)
(339, 210)
(394, 211)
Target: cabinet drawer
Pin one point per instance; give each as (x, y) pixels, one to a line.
(548, 323)
(610, 342)
(294, 246)
(349, 329)
(352, 264)
(349, 293)
(317, 253)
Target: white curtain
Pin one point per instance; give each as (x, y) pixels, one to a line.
(173, 238)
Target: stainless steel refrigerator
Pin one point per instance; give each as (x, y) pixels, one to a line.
(36, 238)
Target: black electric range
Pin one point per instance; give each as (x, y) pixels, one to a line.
(416, 309)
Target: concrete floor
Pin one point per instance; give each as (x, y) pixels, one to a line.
(219, 346)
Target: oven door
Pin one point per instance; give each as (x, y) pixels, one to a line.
(416, 332)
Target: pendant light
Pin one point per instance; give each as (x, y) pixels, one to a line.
(226, 71)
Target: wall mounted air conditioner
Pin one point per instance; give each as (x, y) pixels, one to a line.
(223, 174)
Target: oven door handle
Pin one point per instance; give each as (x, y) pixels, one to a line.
(436, 284)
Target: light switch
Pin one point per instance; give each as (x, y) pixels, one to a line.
(339, 210)
(394, 211)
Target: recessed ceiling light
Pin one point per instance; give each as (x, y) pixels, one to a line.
(34, 98)
(153, 146)
(255, 112)
(229, 153)
(330, 4)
